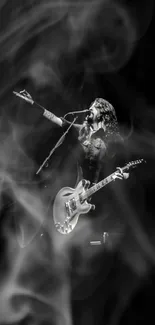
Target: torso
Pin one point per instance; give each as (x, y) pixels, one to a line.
(93, 148)
(91, 151)
(94, 152)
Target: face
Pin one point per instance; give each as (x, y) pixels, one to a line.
(93, 112)
(93, 116)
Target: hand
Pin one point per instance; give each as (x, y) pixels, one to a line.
(85, 183)
(120, 175)
(25, 93)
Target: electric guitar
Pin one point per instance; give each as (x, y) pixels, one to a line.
(70, 203)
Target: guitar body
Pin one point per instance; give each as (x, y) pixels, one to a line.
(68, 206)
(69, 203)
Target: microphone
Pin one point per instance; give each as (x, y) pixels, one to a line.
(29, 100)
(77, 112)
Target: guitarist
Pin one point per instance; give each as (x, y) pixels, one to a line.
(97, 139)
(95, 142)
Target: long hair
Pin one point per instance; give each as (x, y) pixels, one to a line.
(106, 114)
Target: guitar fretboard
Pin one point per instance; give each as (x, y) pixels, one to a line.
(99, 185)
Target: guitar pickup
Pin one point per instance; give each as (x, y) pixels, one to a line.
(72, 204)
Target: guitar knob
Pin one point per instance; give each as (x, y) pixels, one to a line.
(63, 228)
(57, 225)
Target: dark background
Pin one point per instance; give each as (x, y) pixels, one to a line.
(65, 54)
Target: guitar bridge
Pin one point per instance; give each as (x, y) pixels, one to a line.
(67, 206)
(73, 206)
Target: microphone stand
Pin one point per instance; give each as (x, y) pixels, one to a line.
(59, 142)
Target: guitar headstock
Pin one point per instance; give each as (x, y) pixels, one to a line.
(134, 163)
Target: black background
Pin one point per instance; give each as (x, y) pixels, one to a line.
(65, 54)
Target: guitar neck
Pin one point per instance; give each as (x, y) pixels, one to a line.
(99, 185)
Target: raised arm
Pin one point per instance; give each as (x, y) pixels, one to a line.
(49, 115)
(28, 98)
(52, 117)
(58, 120)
